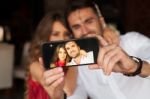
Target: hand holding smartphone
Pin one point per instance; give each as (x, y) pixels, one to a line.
(74, 52)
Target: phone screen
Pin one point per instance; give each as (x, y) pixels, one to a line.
(73, 52)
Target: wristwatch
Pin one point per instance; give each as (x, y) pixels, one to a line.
(139, 66)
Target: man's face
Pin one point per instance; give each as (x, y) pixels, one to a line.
(84, 22)
(72, 49)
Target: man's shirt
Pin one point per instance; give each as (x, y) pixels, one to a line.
(96, 85)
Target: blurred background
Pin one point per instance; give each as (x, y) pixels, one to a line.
(19, 18)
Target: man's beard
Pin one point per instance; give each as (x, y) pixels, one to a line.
(77, 55)
(91, 34)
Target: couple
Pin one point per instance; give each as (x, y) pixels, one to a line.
(71, 50)
(83, 20)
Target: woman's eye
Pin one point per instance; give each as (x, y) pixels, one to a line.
(55, 33)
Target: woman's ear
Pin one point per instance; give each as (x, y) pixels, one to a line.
(102, 21)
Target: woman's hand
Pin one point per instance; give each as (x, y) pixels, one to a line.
(53, 82)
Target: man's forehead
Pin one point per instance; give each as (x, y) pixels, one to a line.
(70, 43)
(79, 14)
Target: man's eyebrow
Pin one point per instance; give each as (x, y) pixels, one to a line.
(91, 18)
(75, 25)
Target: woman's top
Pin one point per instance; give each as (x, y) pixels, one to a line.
(35, 90)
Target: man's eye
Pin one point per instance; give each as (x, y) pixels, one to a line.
(76, 27)
(89, 21)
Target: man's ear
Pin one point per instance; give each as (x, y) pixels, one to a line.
(102, 21)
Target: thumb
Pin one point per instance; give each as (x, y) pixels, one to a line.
(41, 62)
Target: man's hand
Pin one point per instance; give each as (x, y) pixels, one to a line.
(111, 35)
(111, 57)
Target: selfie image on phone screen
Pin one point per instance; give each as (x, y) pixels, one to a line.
(75, 52)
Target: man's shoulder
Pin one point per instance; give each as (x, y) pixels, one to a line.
(132, 34)
(133, 37)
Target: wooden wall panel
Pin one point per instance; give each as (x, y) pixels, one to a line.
(137, 16)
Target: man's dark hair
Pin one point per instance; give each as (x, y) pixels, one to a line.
(74, 5)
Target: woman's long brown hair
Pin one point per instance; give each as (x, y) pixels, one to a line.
(41, 35)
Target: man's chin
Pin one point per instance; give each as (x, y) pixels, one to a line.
(89, 35)
(73, 56)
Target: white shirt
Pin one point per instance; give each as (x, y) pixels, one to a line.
(89, 58)
(96, 85)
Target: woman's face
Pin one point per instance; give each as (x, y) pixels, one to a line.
(62, 54)
(59, 32)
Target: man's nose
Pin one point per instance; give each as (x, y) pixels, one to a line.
(85, 30)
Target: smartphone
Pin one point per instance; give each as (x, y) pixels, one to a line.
(73, 52)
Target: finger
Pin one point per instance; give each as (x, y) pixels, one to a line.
(115, 38)
(52, 79)
(52, 72)
(102, 41)
(56, 86)
(41, 60)
(102, 52)
(107, 58)
(112, 63)
(58, 82)
(109, 40)
(111, 33)
(94, 66)
(41, 63)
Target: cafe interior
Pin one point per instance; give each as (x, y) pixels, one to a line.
(18, 21)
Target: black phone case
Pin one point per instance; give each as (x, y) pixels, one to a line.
(88, 44)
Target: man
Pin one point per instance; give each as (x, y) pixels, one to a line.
(73, 51)
(84, 21)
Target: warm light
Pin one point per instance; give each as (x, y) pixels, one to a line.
(1, 33)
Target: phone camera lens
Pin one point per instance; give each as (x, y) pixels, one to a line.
(51, 45)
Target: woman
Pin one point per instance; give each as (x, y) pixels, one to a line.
(60, 57)
(51, 28)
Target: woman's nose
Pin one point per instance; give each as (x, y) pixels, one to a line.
(62, 37)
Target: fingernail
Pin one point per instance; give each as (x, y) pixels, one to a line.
(61, 79)
(62, 73)
(59, 69)
(100, 67)
(108, 73)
